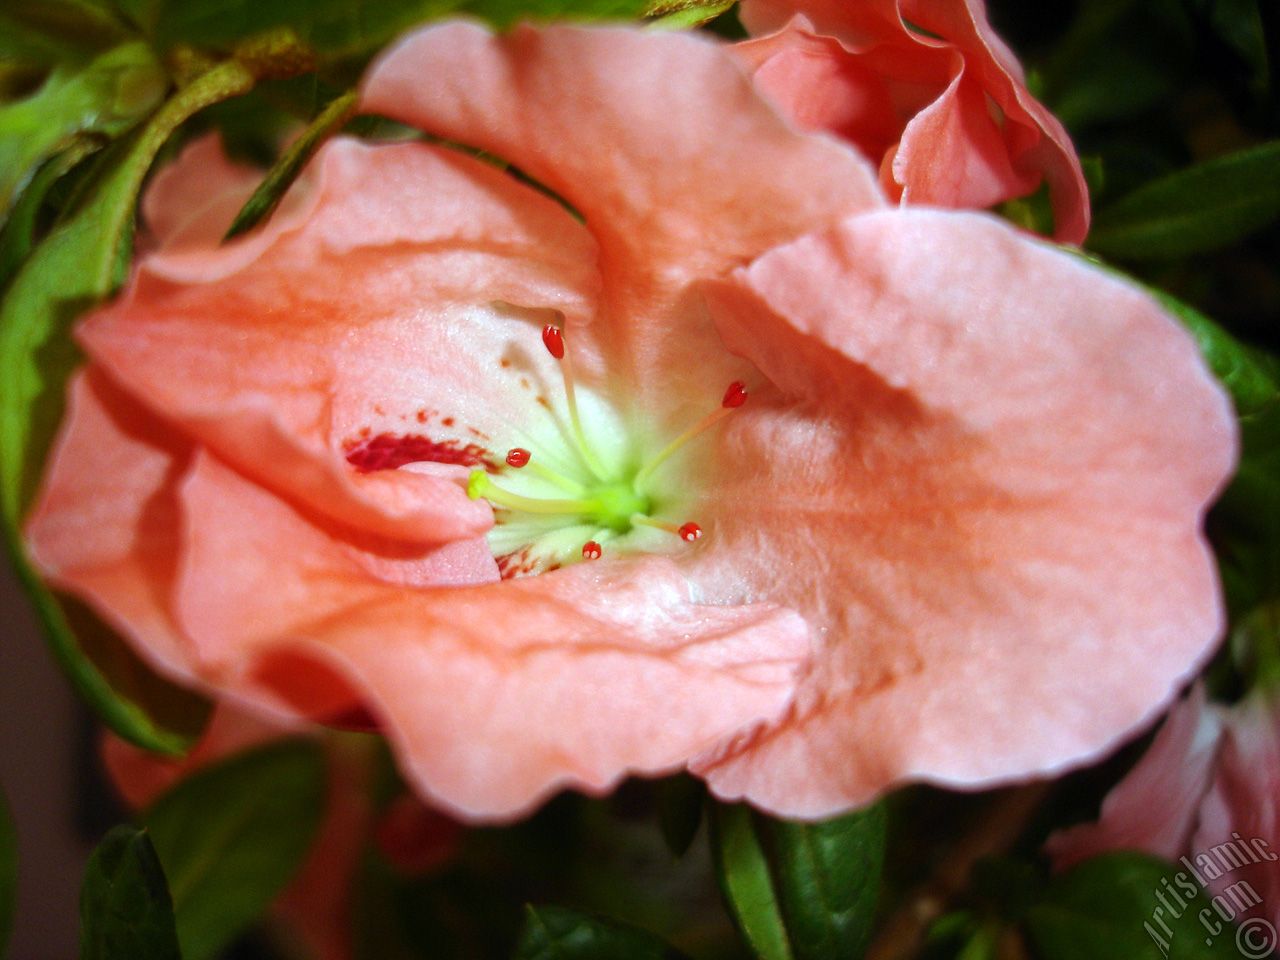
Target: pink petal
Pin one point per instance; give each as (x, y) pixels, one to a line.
(1242, 808)
(1157, 805)
(680, 170)
(983, 474)
(287, 360)
(1038, 143)
(954, 154)
(493, 696)
(953, 151)
(106, 522)
(192, 201)
(820, 87)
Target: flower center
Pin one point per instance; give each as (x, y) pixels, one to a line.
(538, 533)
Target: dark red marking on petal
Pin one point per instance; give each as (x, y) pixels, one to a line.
(736, 395)
(591, 550)
(690, 531)
(518, 457)
(518, 563)
(388, 451)
(448, 421)
(553, 340)
(422, 416)
(505, 362)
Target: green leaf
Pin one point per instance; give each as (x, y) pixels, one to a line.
(343, 29)
(1245, 523)
(8, 872)
(18, 235)
(504, 13)
(231, 836)
(125, 909)
(685, 14)
(52, 31)
(555, 933)
(334, 29)
(78, 264)
(286, 169)
(743, 871)
(1125, 906)
(1208, 206)
(1238, 23)
(681, 799)
(827, 880)
(1249, 375)
(106, 97)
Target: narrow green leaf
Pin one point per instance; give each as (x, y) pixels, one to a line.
(105, 97)
(8, 872)
(684, 14)
(286, 169)
(743, 872)
(18, 235)
(125, 908)
(827, 880)
(335, 29)
(1125, 906)
(231, 836)
(78, 264)
(504, 13)
(1249, 375)
(555, 933)
(1208, 206)
(681, 800)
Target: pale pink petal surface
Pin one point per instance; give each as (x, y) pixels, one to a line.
(679, 169)
(1015, 449)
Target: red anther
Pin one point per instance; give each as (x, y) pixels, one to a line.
(591, 550)
(553, 339)
(518, 457)
(690, 531)
(735, 396)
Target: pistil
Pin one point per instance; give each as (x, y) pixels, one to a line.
(479, 485)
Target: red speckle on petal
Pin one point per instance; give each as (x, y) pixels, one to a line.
(736, 395)
(518, 457)
(388, 451)
(690, 531)
(554, 340)
(591, 550)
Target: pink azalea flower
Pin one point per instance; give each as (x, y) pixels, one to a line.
(948, 479)
(927, 91)
(1205, 795)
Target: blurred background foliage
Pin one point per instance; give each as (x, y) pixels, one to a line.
(1175, 111)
